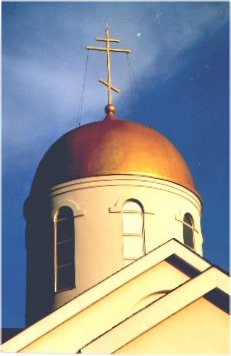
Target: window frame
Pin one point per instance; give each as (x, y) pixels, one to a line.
(141, 213)
(191, 226)
(57, 243)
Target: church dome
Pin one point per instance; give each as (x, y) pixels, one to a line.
(111, 147)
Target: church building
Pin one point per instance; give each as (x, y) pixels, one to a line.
(115, 249)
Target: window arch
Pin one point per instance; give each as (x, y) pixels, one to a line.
(133, 231)
(188, 230)
(64, 249)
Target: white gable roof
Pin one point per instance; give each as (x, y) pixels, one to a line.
(159, 310)
(142, 272)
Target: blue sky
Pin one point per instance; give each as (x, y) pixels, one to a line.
(180, 60)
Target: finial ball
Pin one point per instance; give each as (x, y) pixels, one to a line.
(110, 108)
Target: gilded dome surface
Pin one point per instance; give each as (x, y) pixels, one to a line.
(111, 147)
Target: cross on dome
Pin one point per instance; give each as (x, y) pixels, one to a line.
(110, 107)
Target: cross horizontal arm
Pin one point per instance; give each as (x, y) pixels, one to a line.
(107, 40)
(110, 49)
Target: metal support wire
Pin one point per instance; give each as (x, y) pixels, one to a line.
(81, 101)
(131, 87)
(132, 75)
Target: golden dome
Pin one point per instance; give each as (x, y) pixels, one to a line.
(111, 147)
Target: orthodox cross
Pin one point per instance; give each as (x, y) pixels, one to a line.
(108, 49)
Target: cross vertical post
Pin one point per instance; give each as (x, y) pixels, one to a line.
(108, 67)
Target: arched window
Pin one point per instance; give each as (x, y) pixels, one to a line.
(133, 231)
(64, 250)
(188, 230)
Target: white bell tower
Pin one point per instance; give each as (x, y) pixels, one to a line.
(104, 195)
